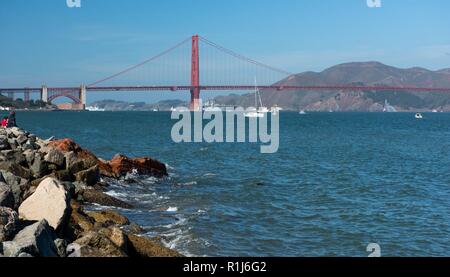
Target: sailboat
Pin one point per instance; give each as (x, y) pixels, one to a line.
(260, 110)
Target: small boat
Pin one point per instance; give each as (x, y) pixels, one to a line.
(94, 109)
(418, 116)
(434, 111)
(302, 112)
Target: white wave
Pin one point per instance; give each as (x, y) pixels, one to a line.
(169, 167)
(117, 194)
(180, 222)
(172, 209)
(188, 183)
(210, 175)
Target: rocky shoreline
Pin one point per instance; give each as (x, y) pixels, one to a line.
(44, 186)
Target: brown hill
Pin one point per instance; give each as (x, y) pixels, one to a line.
(359, 73)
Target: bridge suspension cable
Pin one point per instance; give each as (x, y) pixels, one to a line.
(246, 59)
(140, 64)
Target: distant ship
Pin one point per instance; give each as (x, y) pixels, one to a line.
(94, 109)
(210, 106)
(387, 108)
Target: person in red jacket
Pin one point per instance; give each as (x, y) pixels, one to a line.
(4, 122)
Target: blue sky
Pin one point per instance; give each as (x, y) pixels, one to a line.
(44, 41)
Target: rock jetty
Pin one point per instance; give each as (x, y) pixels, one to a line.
(44, 186)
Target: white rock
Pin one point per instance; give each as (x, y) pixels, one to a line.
(50, 201)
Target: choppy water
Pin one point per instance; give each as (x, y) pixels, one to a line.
(338, 182)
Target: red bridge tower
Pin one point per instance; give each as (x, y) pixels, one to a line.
(195, 75)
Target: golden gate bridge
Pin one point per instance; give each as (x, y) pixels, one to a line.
(195, 65)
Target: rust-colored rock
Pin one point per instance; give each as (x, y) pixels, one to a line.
(146, 247)
(68, 145)
(118, 166)
(121, 165)
(109, 217)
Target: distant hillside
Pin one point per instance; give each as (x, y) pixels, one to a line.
(20, 104)
(113, 105)
(359, 73)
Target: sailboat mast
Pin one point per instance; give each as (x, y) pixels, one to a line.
(256, 94)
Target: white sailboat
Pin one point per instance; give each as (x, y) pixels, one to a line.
(260, 110)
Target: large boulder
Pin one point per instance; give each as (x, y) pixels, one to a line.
(121, 165)
(6, 196)
(50, 201)
(36, 240)
(8, 222)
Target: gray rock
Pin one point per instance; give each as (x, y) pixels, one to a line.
(29, 146)
(29, 156)
(39, 167)
(18, 186)
(15, 131)
(6, 196)
(15, 156)
(32, 137)
(89, 176)
(4, 143)
(37, 240)
(72, 163)
(21, 139)
(61, 246)
(55, 157)
(16, 169)
(8, 221)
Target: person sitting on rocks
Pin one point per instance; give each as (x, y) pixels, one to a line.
(11, 120)
(4, 122)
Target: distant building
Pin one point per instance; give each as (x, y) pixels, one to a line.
(70, 106)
